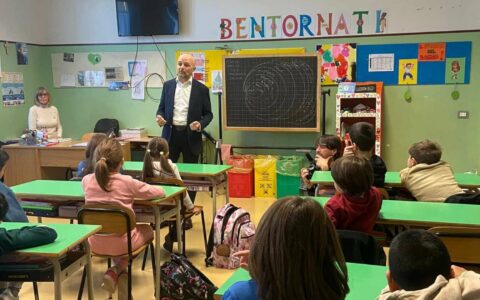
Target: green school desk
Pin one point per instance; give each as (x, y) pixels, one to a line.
(467, 181)
(64, 191)
(68, 236)
(194, 175)
(425, 214)
(365, 281)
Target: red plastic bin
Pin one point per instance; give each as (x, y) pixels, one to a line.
(240, 184)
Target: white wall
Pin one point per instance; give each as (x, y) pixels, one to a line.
(94, 21)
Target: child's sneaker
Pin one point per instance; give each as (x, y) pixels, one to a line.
(110, 279)
(123, 286)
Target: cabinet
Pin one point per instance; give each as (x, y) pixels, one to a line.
(359, 107)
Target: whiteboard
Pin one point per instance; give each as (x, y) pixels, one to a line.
(66, 66)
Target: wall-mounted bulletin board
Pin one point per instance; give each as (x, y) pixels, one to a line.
(98, 69)
(271, 93)
(419, 63)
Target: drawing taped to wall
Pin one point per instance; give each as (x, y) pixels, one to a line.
(338, 63)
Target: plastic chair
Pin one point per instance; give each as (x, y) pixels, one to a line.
(463, 243)
(186, 215)
(360, 247)
(114, 220)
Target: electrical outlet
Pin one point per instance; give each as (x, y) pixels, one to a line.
(463, 114)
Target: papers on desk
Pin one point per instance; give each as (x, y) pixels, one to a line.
(59, 140)
(83, 144)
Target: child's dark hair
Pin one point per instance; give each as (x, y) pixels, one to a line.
(92, 144)
(3, 206)
(107, 156)
(426, 152)
(332, 142)
(4, 157)
(353, 174)
(296, 253)
(157, 150)
(416, 258)
(362, 134)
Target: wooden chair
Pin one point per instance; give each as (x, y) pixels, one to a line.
(114, 220)
(186, 215)
(86, 137)
(463, 243)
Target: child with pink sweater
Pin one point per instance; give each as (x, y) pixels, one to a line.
(107, 186)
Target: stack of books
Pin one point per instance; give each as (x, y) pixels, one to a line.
(133, 133)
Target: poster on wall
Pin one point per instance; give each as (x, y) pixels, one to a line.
(338, 63)
(407, 71)
(137, 70)
(12, 88)
(431, 51)
(455, 70)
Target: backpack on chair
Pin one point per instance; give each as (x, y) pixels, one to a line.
(232, 231)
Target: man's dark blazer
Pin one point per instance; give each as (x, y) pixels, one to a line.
(199, 109)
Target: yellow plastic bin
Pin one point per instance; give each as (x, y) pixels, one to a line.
(265, 177)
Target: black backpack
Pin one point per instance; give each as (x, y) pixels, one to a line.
(181, 280)
(107, 126)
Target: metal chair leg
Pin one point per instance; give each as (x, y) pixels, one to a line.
(145, 253)
(35, 290)
(82, 284)
(204, 231)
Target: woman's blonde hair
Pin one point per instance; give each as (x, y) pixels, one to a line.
(157, 150)
(107, 156)
(296, 253)
(41, 90)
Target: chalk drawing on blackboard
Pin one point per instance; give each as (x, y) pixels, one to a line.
(271, 92)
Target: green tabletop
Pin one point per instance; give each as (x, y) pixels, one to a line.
(365, 281)
(58, 190)
(195, 170)
(464, 180)
(425, 214)
(68, 236)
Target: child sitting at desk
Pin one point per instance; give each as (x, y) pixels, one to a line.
(157, 164)
(357, 203)
(107, 186)
(86, 166)
(328, 149)
(426, 176)
(420, 268)
(15, 212)
(15, 239)
(362, 143)
(295, 255)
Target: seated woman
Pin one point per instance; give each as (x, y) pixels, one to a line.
(43, 116)
(295, 255)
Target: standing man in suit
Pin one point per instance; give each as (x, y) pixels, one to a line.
(184, 111)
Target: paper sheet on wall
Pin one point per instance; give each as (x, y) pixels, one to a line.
(67, 80)
(138, 71)
(381, 62)
(12, 88)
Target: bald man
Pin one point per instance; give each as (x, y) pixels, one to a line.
(184, 111)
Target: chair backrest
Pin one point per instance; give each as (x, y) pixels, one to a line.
(114, 219)
(463, 243)
(86, 137)
(465, 198)
(360, 247)
(107, 126)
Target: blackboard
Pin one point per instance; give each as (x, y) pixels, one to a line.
(271, 93)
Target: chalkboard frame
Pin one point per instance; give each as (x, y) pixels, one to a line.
(316, 128)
